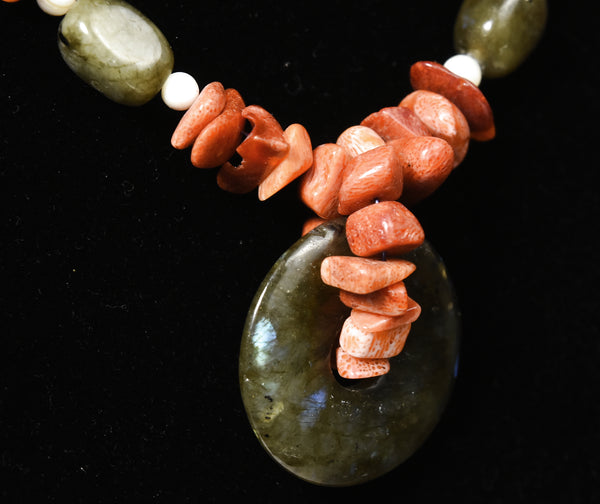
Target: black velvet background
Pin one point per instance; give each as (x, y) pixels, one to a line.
(126, 274)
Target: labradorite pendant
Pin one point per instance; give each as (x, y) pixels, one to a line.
(323, 429)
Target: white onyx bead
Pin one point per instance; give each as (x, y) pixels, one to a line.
(55, 7)
(179, 91)
(466, 67)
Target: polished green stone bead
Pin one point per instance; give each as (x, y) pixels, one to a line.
(499, 34)
(116, 49)
(324, 429)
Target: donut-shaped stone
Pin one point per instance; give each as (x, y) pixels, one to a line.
(318, 428)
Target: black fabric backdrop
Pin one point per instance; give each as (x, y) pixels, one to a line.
(126, 274)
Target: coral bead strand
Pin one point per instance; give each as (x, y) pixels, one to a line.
(400, 154)
(397, 155)
(428, 149)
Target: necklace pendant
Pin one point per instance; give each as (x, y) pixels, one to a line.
(322, 428)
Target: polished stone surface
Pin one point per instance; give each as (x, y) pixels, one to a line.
(115, 49)
(499, 34)
(307, 420)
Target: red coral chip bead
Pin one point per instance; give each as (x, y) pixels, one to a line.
(320, 185)
(299, 159)
(391, 300)
(426, 163)
(356, 368)
(443, 118)
(395, 122)
(383, 227)
(263, 149)
(373, 322)
(206, 107)
(363, 275)
(464, 94)
(374, 174)
(217, 142)
(373, 345)
(358, 139)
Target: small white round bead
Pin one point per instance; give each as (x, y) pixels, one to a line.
(55, 7)
(466, 66)
(179, 91)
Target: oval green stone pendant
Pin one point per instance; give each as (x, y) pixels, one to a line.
(116, 49)
(499, 34)
(323, 429)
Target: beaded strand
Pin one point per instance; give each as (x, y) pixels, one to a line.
(398, 156)
(369, 177)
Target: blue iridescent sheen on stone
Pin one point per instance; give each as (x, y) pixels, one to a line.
(321, 428)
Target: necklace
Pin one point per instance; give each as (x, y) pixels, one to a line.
(268, 398)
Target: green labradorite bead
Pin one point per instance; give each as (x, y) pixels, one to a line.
(499, 34)
(321, 428)
(116, 49)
